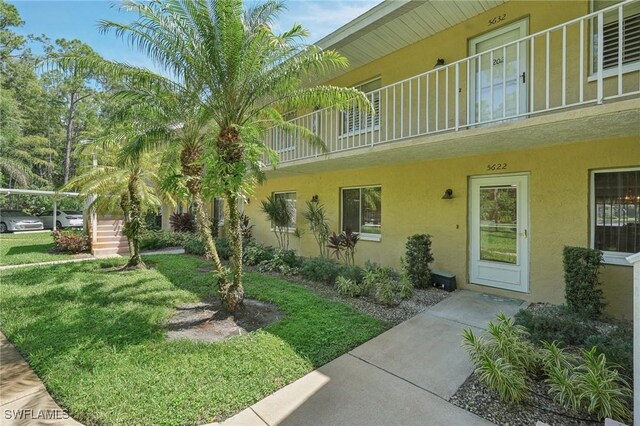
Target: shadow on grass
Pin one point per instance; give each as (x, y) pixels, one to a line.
(317, 329)
(53, 313)
(32, 248)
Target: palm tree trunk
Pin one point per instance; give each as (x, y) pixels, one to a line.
(234, 294)
(192, 169)
(204, 230)
(133, 227)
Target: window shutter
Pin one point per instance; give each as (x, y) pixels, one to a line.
(630, 42)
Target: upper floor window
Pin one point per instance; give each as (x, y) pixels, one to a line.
(615, 206)
(362, 211)
(354, 120)
(611, 36)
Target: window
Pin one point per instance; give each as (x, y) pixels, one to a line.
(362, 211)
(354, 120)
(610, 43)
(218, 210)
(290, 199)
(615, 207)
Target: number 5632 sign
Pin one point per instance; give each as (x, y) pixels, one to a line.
(496, 166)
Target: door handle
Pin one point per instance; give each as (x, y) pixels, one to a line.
(523, 76)
(524, 233)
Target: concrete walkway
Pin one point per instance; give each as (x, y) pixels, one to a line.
(23, 398)
(405, 376)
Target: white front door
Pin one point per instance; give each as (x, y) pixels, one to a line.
(499, 75)
(499, 226)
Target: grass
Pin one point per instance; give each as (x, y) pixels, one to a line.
(96, 339)
(20, 248)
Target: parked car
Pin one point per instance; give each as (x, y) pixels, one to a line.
(64, 219)
(15, 220)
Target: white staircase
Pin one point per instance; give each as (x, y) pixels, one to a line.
(109, 239)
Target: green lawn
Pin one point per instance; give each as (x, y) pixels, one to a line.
(96, 338)
(28, 248)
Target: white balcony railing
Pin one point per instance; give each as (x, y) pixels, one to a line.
(577, 63)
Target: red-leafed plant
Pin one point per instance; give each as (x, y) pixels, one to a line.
(71, 241)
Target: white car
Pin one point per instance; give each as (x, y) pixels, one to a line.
(64, 219)
(15, 220)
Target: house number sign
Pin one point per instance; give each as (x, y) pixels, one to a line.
(497, 19)
(497, 166)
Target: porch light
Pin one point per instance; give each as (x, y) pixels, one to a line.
(448, 194)
(439, 63)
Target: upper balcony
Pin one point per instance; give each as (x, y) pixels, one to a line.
(514, 89)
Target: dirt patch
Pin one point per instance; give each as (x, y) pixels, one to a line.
(209, 321)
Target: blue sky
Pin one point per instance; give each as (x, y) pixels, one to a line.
(78, 19)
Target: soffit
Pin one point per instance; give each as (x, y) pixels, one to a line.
(394, 24)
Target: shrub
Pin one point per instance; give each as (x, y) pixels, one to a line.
(153, 240)
(583, 294)
(255, 254)
(419, 257)
(617, 347)
(316, 216)
(194, 245)
(71, 241)
(182, 222)
(591, 385)
(246, 230)
(281, 215)
(405, 286)
(555, 324)
(283, 261)
(343, 245)
(321, 269)
(354, 273)
(504, 358)
(381, 283)
(347, 287)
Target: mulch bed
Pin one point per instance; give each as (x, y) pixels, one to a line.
(393, 315)
(475, 397)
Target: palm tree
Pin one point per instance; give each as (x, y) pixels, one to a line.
(245, 75)
(131, 184)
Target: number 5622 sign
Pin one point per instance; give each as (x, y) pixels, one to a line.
(496, 166)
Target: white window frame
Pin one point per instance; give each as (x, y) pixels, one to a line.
(609, 257)
(289, 228)
(608, 72)
(363, 236)
(375, 118)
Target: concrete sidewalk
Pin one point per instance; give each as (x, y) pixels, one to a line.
(23, 398)
(405, 376)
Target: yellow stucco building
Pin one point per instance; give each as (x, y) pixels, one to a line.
(527, 111)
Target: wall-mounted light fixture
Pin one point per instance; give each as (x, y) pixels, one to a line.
(439, 63)
(448, 194)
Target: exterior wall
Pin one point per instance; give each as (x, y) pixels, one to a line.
(411, 203)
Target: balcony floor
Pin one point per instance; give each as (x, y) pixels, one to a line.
(610, 120)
